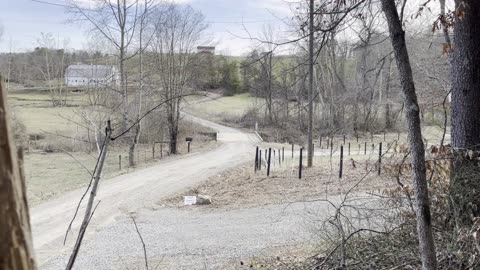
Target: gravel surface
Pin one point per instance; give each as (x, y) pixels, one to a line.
(132, 192)
(192, 238)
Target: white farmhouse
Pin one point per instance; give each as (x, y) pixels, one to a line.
(89, 75)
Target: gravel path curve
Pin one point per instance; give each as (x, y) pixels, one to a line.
(185, 238)
(134, 191)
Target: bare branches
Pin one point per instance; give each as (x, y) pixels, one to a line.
(147, 113)
(143, 242)
(84, 194)
(93, 193)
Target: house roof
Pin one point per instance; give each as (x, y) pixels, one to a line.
(90, 71)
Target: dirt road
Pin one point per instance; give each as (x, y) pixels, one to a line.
(193, 237)
(129, 193)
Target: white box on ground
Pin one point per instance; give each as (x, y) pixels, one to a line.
(190, 200)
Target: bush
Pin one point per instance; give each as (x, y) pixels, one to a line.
(457, 242)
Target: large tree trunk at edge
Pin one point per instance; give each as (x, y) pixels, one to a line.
(424, 226)
(465, 117)
(16, 249)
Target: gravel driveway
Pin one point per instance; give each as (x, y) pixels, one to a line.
(132, 192)
(191, 238)
(175, 238)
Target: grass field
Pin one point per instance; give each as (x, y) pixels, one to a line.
(226, 109)
(50, 174)
(33, 107)
(221, 108)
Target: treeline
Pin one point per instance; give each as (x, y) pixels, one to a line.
(34, 68)
(356, 85)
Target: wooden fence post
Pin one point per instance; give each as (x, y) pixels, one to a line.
(300, 164)
(365, 148)
(379, 158)
(349, 149)
(320, 142)
(153, 151)
(341, 162)
(343, 139)
(119, 162)
(331, 149)
(256, 159)
(259, 160)
(292, 150)
(268, 161)
(279, 157)
(283, 154)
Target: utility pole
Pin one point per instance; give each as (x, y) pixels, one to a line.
(310, 87)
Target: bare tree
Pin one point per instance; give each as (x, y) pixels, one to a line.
(178, 30)
(52, 67)
(121, 23)
(267, 63)
(424, 226)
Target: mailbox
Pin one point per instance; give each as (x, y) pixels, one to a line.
(188, 139)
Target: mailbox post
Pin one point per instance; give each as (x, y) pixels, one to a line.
(188, 140)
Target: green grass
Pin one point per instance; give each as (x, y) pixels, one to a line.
(33, 107)
(49, 175)
(224, 107)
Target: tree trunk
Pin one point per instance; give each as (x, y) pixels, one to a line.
(173, 141)
(133, 146)
(310, 87)
(173, 117)
(466, 109)
(388, 115)
(16, 248)
(89, 209)
(424, 226)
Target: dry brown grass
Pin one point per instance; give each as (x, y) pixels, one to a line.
(242, 187)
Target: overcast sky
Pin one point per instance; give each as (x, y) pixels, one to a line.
(24, 20)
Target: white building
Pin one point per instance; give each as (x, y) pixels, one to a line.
(85, 75)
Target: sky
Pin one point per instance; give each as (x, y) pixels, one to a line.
(24, 21)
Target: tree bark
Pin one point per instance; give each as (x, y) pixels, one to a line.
(388, 115)
(424, 226)
(466, 78)
(16, 249)
(310, 88)
(466, 108)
